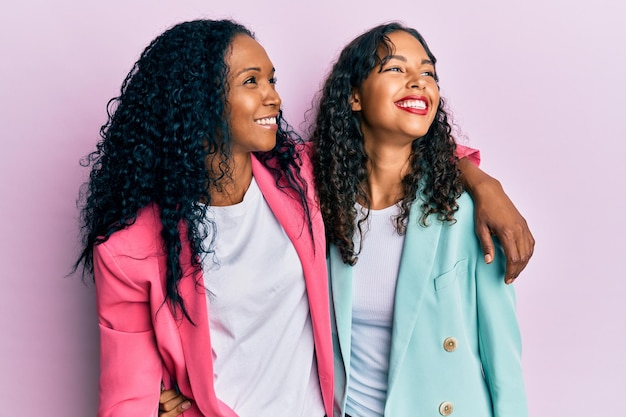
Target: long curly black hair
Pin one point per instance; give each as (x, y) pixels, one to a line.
(340, 160)
(170, 116)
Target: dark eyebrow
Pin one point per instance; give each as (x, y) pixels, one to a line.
(398, 57)
(403, 59)
(257, 69)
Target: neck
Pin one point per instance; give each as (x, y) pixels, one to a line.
(232, 190)
(387, 164)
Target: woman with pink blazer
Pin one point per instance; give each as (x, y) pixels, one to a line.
(204, 238)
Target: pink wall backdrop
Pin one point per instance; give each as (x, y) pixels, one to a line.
(537, 85)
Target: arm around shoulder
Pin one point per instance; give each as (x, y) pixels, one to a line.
(495, 214)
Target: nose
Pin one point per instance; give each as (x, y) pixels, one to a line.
(272, 98)
(417, 82)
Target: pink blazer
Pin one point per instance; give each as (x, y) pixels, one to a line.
(142, 343)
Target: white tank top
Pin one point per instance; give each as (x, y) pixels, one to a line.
(374, 280)
(260, 325)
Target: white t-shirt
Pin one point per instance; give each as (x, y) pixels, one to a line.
(260, 324)
(374, 280)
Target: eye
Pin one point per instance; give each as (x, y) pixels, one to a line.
(393, 69)
(429, 74)
(273, 80)
(250, 80)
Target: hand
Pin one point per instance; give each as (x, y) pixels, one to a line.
(495, 214)
(172, 403)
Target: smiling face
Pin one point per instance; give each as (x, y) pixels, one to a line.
(252, 99)
(398, 102)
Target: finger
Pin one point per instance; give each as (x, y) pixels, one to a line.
(168, 395)
(486, 243)
(179, 409)
(525, 249)
(514, 263)
(512, 272)
(172, 403)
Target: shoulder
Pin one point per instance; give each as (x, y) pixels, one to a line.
(140, 239)
(463, 216)
(132, 258)
(465, 213)
(462, 227)
(303, 160)
(456, 236)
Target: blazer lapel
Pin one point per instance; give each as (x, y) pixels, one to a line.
(341, 291)
(418, 257)
(290, 215)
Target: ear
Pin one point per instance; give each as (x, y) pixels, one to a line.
(355, 100)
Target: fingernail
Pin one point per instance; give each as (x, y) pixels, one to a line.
(510, 280)
(185, 405)
(488, 258)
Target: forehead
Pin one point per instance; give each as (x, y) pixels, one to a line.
(246, 52)
(404, 44)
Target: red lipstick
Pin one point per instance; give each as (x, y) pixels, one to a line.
(413, 104)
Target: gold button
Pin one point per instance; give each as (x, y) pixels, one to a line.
(450, 344)
(446, 408)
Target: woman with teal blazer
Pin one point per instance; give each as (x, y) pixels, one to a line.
(422, 326)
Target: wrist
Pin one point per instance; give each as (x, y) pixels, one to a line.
(475, 180)
(485, 185)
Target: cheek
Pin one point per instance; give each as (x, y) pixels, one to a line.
(435, 94)
(377, 102)
(238, 112)
(436, 102)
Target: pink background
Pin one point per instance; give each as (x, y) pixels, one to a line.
(537, 85)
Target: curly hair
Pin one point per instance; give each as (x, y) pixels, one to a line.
(340, 160)
(171, 115)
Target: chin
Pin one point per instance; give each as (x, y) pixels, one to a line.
(267, 148)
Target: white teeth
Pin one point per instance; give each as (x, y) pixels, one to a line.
(415, 104)
(266, 121)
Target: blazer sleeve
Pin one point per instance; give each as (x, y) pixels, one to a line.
(130, 364)
(499, 339)
(470, 153)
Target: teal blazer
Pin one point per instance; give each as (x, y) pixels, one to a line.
(456, 347)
